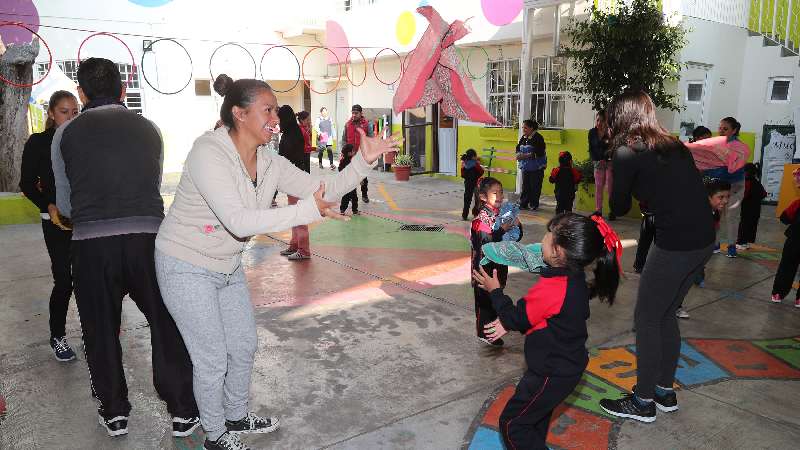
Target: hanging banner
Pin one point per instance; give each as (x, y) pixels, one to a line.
(777, 149)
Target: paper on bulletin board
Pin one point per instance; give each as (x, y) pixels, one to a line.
(778, 148)
(789, 190)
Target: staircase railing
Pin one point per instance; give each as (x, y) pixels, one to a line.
(778, 21)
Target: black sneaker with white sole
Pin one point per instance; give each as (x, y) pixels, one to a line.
(251, 423)
(227, 441)
(665, 403)
(116, 426)
(61, 349)
(630, 408)
(184, 426)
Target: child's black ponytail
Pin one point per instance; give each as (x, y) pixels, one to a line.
(469, 154)
(584, 243)
(483, 189)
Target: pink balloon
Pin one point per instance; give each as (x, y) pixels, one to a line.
(501, 12)
(336, 40)
(18, 11)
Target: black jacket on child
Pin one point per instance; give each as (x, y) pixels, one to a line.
(552, 316)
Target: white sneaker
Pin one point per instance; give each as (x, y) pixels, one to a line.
(297, 256)
(776, 298)
(681, 314)
(742, 246)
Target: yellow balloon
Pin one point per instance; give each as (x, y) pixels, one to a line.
(405, 28)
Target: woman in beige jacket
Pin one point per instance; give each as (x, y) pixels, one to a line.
(224, 198)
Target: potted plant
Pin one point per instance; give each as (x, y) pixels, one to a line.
(402, 167)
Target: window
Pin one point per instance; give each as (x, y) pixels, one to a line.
(133, 97)
(503, 91)
(694, 92)
(549, 90)
(779, 90)
(202, 87)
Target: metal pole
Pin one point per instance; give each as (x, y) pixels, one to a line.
(774, 19)
(525, 78)
(788, 23)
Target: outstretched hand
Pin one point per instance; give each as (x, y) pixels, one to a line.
(373, 147)
(485, 281)
(325, 207)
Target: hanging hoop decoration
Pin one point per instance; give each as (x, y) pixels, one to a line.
(261, 67)
(144, 74)
(376, 72)
(303, 74)
(466, 64)
(49, 52)
(347, 63)
(103, 33)
(404, 66)
(224, 45)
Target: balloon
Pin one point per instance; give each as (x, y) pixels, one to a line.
(405, 28)
(501, 12)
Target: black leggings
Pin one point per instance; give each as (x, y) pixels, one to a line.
(665, 281)
(321, 154)
(469, 194)
(58, 242)
(787, 269)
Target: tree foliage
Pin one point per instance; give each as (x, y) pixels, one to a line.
(632, 48)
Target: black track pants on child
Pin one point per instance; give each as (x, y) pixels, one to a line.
(347, 199)
(58, 243)
(469, 193)
(787, 269)
(526, 417)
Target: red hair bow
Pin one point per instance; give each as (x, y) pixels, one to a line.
(613, 243)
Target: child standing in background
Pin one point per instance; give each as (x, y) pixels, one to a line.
(490, 193)
(471, 172)
(754, 193)
(347, 155)
(566, 179)
(790, 258)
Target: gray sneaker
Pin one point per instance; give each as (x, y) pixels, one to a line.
(228, 441)
(681, 314)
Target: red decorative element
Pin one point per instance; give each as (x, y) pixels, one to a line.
(103, 33)
(347, 62)
(374, 61)
(435, 74)
(405, 60)
(613, 244)
(49, 64)
(303, 74)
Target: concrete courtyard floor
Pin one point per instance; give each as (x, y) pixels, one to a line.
(370, 345)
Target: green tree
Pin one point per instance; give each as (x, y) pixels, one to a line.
(631, 48)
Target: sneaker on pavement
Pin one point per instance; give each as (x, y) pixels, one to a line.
(288, 252)
(629, 407)
(366, 199)
(731, 251)
(61, 349)
(716, 248)
(667, 402)
(227, 441)
(496, 343)
(681, 314)
(797, 303)
(184, 426)
(776, 298)
(742, 246)
(116, 426)
(252, 423)
(297, 256)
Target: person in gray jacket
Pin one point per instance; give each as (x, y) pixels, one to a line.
(223, 198)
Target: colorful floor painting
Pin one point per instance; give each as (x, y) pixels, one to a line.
(579, 423)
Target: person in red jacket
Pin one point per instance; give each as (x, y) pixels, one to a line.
(566, 179)
(790, 258)
(471, 172)
(552, 316)
(351, 136)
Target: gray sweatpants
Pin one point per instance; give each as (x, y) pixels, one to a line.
(215, 317)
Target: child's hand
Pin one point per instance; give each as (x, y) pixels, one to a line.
(494, 330)
(486, 282)
(506, 225)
